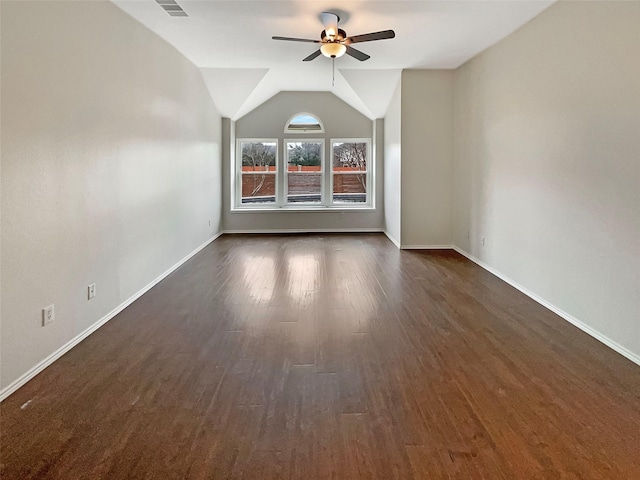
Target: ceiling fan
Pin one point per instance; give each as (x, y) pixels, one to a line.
(334, 41)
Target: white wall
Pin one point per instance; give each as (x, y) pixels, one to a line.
(427, 158)
(268, 120)
(392, 166)
(377, 146)
(547, 162)
(110, 168)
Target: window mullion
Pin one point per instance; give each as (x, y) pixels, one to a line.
(326, 199)
(329, 175)
(282, 174)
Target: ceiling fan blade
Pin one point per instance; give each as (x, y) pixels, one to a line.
(315, 54)
(357, 54)
(330, 22)
(369, 37)
(290, 39)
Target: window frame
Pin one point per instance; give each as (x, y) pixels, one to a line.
(368, 172)
(281, 181)
(323, 164)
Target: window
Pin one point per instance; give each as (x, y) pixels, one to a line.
(258, 171)
(350, 171)
(304, 123)
(304, 171)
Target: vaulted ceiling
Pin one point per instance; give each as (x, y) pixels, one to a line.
(230, 41)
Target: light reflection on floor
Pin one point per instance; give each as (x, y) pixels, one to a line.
(290, 285)
(259, 277)
(302, 275)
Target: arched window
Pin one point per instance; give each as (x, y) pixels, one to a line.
(304, 123)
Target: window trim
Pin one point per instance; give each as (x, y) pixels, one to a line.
(280, 204)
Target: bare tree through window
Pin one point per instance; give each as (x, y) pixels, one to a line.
(258, 169)
(350, 171)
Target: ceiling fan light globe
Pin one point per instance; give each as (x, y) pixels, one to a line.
(333, 50)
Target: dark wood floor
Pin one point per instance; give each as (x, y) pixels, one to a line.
(316, 357)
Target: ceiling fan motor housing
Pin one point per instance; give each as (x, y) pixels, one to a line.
(340, 36)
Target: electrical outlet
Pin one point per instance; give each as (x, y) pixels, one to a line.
(483, 241)
(48, 315)
(91, 290)
(209, 222)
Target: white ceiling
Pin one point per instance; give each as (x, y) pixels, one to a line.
(230, 41)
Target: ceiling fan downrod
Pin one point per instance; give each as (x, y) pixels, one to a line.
(333, 65)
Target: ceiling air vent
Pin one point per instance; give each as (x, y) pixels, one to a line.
(172, 8)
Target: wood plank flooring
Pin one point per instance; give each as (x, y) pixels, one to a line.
(328, 357)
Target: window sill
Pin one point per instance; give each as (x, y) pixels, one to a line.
(305, 208)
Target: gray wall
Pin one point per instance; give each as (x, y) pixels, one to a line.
(268, 120)
(419, 160)
(110, 169)
(547, 169)
(427, 158)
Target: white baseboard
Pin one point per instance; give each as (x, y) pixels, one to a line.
(625, 352)
(304, 230)
(15, 385)
(426, 247)
(393, 240)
